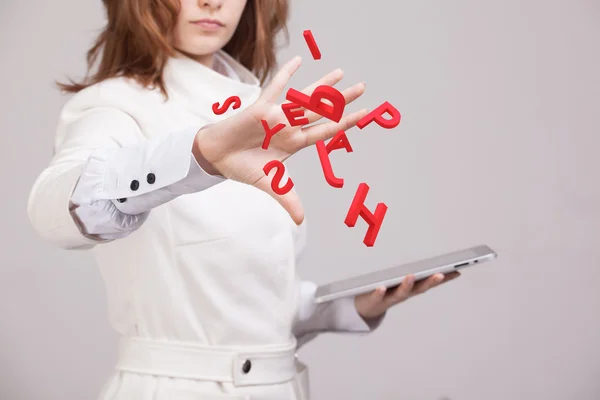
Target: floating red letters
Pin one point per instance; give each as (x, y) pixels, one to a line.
(358, 208)
(221, 110)
(269, 133)
(278, 176)
(312, 45)
(295, 115)
(339, 141)
(314, 103)
(293, 112)
(377, 116)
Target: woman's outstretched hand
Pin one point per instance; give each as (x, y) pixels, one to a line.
(374, 304)
(233, 147)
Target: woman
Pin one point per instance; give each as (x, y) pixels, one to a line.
(197, 251)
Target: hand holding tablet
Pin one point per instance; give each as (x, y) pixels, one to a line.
(393, 277)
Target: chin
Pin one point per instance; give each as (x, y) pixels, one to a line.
(206, 45)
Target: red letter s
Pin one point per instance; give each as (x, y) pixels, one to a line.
(221, 110)
(277, 178)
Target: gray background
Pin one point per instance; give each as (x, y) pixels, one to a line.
(498, 144)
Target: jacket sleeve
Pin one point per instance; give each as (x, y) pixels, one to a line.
(110, 218)
(338, 316)
(105, 177)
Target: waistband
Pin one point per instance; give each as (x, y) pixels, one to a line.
(241, 366)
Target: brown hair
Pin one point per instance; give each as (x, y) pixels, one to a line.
(136, 41)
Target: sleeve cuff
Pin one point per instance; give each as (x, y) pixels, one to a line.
(169, 159)
(137, 179)
(346, 318)
(335, 316)
(103, 222)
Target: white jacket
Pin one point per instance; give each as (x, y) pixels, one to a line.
(199, 270)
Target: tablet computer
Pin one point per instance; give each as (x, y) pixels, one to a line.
(393, 276)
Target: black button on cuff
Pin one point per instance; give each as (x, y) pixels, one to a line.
(151, 178)
(123, 200)
(134, 185)
(246, 367)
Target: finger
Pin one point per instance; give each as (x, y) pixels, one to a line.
(327, 130)
(426, 284)
(281, 79)
(376, 296)
(290, 201)
(350, 94)
(403, 291)
(379, 294)
(449, 277)
(330, 79)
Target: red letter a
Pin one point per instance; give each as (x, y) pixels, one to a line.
(340, 140)
(358, 208)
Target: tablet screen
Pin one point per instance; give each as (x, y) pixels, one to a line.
(458, 257)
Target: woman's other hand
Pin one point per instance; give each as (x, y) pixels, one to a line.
(375, 303)
(233, 147)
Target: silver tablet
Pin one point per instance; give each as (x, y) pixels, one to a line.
(391, 277)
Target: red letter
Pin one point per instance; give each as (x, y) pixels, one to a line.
(326, 164)
(377, 116)
(314, 103)
(312, 45)
(293, 112)
(277, 178)
(269, 133)
(340, 140)
(220, 110)
(358, 208)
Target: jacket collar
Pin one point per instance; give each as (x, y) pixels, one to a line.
(198, 87)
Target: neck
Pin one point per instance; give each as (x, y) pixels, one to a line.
(206, 59)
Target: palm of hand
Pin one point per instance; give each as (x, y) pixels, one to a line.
(247, 156)
(234, 146)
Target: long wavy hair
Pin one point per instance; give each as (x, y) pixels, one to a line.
(136, 41)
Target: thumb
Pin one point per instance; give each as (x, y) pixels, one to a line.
(290, 200)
